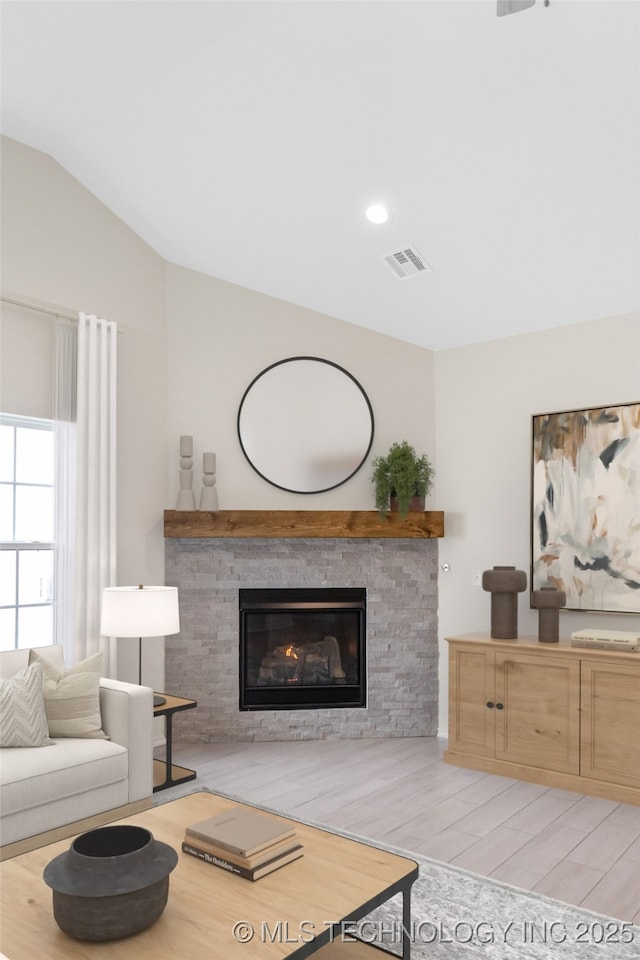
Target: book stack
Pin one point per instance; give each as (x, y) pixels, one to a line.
(244, 842)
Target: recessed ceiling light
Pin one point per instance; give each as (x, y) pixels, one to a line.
(376, 213)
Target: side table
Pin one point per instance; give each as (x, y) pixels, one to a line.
(165, 772)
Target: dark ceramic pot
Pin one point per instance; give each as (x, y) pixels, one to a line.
(548, 600)
(111, 883)
(504, 584)
(416, 504)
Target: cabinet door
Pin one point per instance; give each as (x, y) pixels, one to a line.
(471, 687)
(537, 711)
(610, 727)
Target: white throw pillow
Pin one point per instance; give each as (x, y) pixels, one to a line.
(72, 698)
(23, 720)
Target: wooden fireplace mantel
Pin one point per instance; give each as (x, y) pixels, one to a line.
(302, 523)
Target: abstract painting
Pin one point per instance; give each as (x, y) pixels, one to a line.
(585, 507)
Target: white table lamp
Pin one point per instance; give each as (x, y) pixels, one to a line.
(140, 612)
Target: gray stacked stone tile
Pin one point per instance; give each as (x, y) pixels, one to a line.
(401, 580)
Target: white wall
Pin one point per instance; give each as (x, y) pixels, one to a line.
(191, 344)
(61, 247)
(485, 397)
(26, 369)
(186, 374)
(220, 336)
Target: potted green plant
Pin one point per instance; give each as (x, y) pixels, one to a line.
(401, 475)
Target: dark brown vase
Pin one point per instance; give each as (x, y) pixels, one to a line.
(416, 504)
(504, 584)
(548, 600)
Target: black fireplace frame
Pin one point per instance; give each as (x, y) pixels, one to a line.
(303, 697)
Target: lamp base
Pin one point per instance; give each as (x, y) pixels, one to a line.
(158, 701)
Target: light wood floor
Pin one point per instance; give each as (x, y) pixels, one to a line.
(579, 849)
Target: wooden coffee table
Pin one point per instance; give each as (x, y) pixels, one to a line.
(299, 910)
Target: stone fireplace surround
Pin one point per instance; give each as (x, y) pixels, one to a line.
(201, 662)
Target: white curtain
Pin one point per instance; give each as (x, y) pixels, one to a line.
(64, 431)
(86, 484)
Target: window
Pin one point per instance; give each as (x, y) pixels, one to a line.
(27, 548)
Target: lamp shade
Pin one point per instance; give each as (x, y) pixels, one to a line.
(139, 612)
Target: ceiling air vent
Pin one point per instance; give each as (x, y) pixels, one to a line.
(406, 262)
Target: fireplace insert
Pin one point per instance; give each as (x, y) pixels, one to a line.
(302, 648)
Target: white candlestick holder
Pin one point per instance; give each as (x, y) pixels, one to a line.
(186, 499)
(209, 495)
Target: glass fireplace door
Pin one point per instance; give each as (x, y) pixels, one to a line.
(302, 648)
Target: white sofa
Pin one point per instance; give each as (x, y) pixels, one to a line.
(51, 792)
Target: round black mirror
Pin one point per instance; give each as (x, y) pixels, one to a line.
(305, 425)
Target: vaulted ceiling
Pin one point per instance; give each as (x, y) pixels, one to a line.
(245, 140)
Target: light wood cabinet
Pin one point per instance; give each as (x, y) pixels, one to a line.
(539, 723)
(610, 725)
(471, 689)
(554, 714)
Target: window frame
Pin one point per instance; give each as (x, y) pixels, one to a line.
(23, 546)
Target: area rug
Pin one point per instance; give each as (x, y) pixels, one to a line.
(458, 915)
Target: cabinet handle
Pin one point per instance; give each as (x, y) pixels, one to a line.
(489, 703)
(499, 706)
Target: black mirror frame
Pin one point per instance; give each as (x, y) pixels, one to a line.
(317, 360)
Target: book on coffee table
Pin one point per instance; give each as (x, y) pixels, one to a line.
(276, 849)
(247, 873)
(243, 832)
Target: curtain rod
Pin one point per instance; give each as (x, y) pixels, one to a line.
(48, 311)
